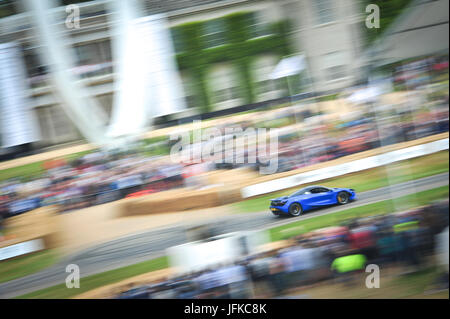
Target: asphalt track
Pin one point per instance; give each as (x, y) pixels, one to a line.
(151, 244)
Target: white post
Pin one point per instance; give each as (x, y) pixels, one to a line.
(313, 89)
(296, 119)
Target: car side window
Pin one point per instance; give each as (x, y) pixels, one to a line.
(319, 190)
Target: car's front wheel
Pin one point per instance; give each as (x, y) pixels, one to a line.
(343, 198)
(295, 209)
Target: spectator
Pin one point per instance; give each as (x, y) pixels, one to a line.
(345, 267)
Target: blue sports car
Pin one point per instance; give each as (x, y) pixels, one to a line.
(309, 198)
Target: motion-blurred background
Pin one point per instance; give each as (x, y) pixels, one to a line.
(90, 92)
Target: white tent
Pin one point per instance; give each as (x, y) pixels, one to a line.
(289, 66)
(378, 86)
(365, 95)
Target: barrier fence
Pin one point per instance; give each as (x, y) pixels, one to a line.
(346, 168)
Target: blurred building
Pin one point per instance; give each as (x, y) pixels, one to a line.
(226, 50)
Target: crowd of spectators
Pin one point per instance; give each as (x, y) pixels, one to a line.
(320, 142)
(93, 179)
(406, 241)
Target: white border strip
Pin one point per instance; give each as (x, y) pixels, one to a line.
(23, 248)
(346, 168)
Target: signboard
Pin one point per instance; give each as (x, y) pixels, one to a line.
(216, 250)
(21, 249)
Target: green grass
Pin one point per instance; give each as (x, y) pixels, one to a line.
(379, 208)
(392, 286)
(98, 280)
(24, 171)
(26, 265)
(28, 171)
(276, 123)
(416, 283)
(363, 181)
(73, 156)
(330, 97)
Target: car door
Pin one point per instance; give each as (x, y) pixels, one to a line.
(320, 196)
(328, 196)
(311, 198)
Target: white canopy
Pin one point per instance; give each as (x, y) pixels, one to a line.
(289, 66)
(364, 95)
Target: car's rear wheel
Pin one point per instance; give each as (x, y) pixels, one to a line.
(343, 198)
(295, 209)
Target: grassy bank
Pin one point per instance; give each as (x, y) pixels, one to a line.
(378, 208)
(26, 265)
(98, 280)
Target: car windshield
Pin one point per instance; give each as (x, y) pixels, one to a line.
(300, 192)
